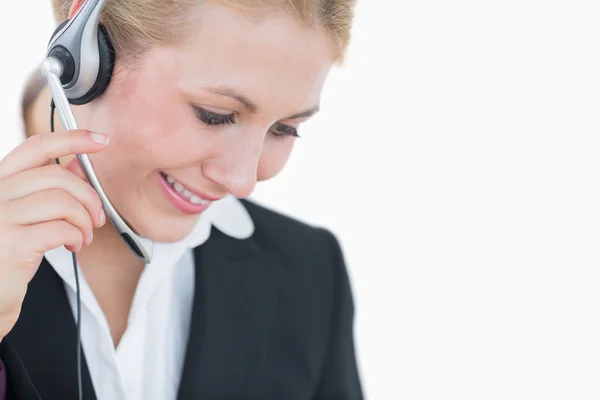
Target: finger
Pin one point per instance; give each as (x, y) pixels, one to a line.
(49, 177)
(52, 234)
(38, 149)
(49, 205)
(74, 166)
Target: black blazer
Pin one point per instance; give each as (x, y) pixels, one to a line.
(272, 319)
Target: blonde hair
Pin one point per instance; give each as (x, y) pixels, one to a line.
(136, 25)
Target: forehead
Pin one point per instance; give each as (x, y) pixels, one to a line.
(274, 58)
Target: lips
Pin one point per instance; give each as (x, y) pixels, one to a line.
(184, 191)
(182, 197)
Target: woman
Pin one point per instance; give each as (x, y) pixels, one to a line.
(239, 302)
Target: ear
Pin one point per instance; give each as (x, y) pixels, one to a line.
(75, 7)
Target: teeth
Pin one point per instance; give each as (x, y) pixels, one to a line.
(197, 200)
(179, 187)
(184, 192)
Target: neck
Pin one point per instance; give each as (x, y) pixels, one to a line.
(107, 249)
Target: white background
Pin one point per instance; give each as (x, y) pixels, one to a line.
(456, 158)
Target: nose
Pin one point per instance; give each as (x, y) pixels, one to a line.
(235, 167)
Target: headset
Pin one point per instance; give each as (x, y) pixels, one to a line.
(79, 63)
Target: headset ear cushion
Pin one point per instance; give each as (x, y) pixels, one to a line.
(105, 69)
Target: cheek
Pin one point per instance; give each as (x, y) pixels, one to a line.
(274, 156)
(139, 141)
(143, 126)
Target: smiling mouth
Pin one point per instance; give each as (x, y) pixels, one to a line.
(183, 191)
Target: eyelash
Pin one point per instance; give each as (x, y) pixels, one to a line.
(212, 119)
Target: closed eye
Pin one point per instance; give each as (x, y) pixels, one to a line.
(281, 130)
(211, 118)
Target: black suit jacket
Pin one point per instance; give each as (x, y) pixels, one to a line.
(272, 319)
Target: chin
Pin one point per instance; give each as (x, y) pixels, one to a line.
(160, 228)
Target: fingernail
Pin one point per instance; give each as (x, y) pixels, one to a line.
(99, 138)
(102, 217)
(91, 237)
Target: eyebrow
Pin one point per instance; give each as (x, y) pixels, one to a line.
(229, 92)
(251, 106)
(305, 114)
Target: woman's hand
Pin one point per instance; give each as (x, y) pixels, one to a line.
(43, 205)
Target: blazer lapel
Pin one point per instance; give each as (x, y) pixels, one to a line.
(43, 343)
(235, 305)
